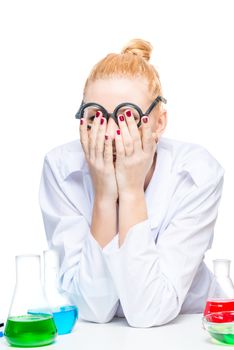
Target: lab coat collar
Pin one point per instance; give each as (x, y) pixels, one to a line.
(75, 160)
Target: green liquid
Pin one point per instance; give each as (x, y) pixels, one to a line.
(224, 338)
(30, 330)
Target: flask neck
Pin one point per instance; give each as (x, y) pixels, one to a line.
(51, 268)
(221, 267)
(51, 277)
(51, 280)
(28, 269)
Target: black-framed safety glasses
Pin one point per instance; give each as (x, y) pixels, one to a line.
(88, 111)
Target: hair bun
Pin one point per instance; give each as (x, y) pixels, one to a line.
(138, 47)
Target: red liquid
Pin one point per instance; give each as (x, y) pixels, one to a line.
(221, 317)
(218, 305)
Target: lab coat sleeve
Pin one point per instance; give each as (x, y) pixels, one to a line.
(152, 280)
(83, 273)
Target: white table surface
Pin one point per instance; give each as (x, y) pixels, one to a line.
(184, 333)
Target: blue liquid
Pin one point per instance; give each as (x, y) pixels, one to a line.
(64, 317)
(1, 329)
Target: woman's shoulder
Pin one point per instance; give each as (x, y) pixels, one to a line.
(66, 158)
(69, 147)
(192, 158)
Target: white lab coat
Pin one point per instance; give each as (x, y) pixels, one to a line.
(159, 271)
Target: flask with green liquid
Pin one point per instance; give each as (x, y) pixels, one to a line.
(24, 329)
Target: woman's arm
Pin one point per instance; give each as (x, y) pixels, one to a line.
(97, 147)
(104, 220)
(132, 210)
(153, 280)
(135, 156)
(83, 273)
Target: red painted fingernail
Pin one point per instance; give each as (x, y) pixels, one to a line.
(98, 114)
(128, 113)
(145, 119)
(121, 117)
(118, 132)
(81, 121)
(102, 121)
(106, 137)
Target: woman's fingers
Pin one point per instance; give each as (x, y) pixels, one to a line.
(133, 130)
(120, 151)
(100, 139)
(84, 138)
(93, 135)
(96, 145)
(92, 140)
(148, 141)
(108, 150)
(126, 137)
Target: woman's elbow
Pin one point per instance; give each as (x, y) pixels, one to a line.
(153, 315)
(101, 312)
(147, 321)
(95, 317)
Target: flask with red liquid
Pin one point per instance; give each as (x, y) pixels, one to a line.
(221, 292)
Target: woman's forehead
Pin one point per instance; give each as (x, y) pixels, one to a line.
(113, 91)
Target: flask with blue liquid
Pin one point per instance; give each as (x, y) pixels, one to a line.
(64, 313)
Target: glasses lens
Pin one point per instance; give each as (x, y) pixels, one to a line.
(89, 114)
(134, 111)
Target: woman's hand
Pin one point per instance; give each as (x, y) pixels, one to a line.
(99, 154)
(135, 150)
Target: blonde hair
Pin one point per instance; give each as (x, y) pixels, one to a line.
(133, 61)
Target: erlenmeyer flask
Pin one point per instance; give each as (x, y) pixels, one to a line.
(221, 291)
(24, 329)
(65, 314)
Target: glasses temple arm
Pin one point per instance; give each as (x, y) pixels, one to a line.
(77, 115)
(156, 101)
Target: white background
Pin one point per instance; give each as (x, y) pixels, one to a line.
(47, 50)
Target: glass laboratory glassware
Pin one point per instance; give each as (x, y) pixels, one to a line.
(221, 291)
(65, 315)
(1, 328)
(22, 328)
(220, 325)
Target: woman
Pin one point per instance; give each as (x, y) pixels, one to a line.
(131, 213)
